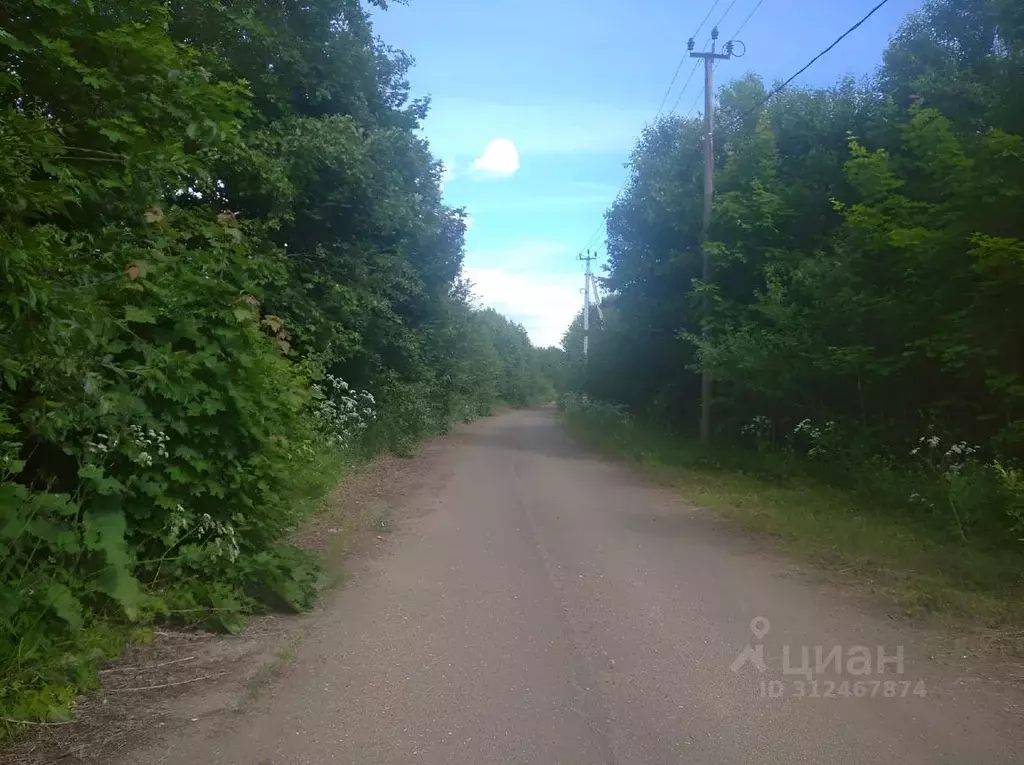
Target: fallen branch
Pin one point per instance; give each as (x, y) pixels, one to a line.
(187, 635)
(31, 722)
(164, 685)
(58, 758)
(146, 666)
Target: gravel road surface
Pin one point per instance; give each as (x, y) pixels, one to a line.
(541, 604)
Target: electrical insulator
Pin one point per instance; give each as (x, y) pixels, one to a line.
(689, 44)
(714, 33)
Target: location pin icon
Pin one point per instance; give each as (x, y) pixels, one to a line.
(759, 626)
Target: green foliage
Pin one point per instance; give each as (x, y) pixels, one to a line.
(867, 531)
(512, 367)
(869, 269)
(226, 271)
(1011, 481)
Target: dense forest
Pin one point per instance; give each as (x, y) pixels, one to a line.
(867, 305)
(226, 270)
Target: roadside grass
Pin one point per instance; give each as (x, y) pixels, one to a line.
(923, 573)
(271, 669)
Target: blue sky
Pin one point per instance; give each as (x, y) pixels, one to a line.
(571, 83)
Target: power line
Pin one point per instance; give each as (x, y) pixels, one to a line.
(748, 18)
(706, 17)
(668, 91)
(695, 100)
(590, 241)
(779, 88)
(725, 13)
(693, 71)
(811, 63)
(696, 66)
(774, 91)
(682, 60)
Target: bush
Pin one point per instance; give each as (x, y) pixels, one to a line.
(148, 489)
(220, 238)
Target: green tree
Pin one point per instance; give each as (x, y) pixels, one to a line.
(867, 257)
(226, 267)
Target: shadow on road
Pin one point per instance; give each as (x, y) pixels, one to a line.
(537, 431)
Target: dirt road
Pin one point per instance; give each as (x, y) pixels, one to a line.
(540, 604)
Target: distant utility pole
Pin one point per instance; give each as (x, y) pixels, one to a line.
(597, 299)
(709, 190)
(586, 256)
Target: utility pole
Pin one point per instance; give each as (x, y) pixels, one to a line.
(586, 256)
(709, 191)
(597, 299)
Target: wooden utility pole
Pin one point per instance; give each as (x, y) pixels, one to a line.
(709, 191)
(586, 256)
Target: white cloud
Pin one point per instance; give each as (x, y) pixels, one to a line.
(544, 303)
(500, 157)
(522, 255)
(540, 128)
(528, 203)
(447, 172)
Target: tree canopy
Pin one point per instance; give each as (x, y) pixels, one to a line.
(226, 266)
(868, 250)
